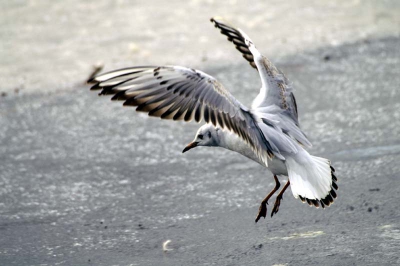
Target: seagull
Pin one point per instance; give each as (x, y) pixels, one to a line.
(268, 133)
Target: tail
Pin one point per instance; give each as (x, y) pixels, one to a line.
(312, 179)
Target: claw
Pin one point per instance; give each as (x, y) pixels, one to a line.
(276, 206)
(262, 212)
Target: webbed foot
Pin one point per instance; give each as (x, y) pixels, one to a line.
(262, 211)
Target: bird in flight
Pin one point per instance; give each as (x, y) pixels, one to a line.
(268, 132)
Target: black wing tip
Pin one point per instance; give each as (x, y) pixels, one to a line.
(220, 22)
(91, 80)
(96, 70)
(215, 20)
(234, 36)
(95, 87)
(119, 96)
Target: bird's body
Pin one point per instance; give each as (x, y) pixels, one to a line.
(231, 141)
(268, 132)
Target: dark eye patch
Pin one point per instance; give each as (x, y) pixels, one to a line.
(209, 134)
(200, 136)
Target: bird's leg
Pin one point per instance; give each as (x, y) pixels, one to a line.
(279, 198)
(262, 211)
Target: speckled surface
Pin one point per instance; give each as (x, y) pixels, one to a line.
(84, 181)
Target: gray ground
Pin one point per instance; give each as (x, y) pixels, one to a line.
(86, 182)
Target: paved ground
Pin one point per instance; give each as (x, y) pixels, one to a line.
(84, 181)
(47, 45)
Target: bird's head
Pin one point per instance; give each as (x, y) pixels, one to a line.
(207, 135)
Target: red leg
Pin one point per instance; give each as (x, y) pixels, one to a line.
(278, 199)
(262, 211)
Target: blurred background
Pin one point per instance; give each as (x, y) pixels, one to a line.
(84, 181)
(48, 45)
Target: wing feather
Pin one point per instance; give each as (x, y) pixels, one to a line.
(179, 93)
(276, 89)
(236, 37)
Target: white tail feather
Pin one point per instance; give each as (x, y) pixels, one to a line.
(310, 177)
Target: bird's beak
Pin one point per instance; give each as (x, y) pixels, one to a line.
(191, 145)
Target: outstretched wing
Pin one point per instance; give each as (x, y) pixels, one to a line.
(276, 94)
(236, 37)
(179, 93)
(277, 87)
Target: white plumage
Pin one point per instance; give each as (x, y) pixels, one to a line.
(268, 132)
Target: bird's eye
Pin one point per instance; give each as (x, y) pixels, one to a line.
(200, 136)
(209, 134)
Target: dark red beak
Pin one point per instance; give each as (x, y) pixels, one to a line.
(191, 145)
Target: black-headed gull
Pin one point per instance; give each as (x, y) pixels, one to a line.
(268, 132)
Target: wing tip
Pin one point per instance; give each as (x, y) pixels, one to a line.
(96, 70)
(95, 87)
(215, 19)
(220, 22)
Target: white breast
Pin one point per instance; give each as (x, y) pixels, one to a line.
(232, 142)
